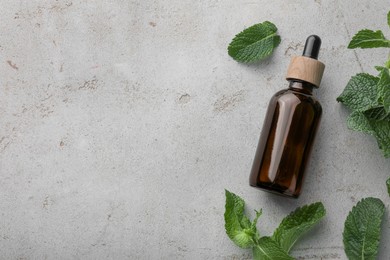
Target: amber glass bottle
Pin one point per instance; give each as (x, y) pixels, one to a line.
(290, 126)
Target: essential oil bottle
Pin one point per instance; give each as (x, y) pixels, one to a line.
(290, 126)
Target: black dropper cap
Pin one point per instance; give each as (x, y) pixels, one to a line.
(312, 47)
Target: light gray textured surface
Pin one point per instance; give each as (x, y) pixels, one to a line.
(123, 121)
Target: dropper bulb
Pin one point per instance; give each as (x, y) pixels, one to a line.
(312, 47)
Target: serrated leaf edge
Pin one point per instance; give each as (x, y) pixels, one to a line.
(320, 210)
(354, 208)
(355, 46)
(275, 34)
(388, 18)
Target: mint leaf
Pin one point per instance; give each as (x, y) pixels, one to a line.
(357, 121)
(254, 43)
(377, 113)
(360, 93)
(388, 186)
(268, 249)
(362, 229)
(379, 68)
(297, 223)
(237, 225)
(369, 39)
(381, 131)
(384, 89)
(388, 18)
(253, 226)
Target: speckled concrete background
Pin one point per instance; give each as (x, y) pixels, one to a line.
(123, 121)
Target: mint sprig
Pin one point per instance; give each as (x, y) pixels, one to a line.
(244, 233)
(368, 96)
(362, 229)
(254, 43)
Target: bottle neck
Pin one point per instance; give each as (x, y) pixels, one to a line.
(301, 86)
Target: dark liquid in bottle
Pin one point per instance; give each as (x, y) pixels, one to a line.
(286, 140)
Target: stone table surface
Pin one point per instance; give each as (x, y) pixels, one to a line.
(122, 122)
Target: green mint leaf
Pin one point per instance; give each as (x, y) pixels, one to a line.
(253, 225)
(388, 186)
(360, 93)
(384, 89)
(297, 223)
(381, 130)
(379, 68)
(237, 225)
(362, 229)
(357, 121)
(369, 39)
(258, 214)
(268, 249)
(254, 43)
(388, 18)
(377, 113)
